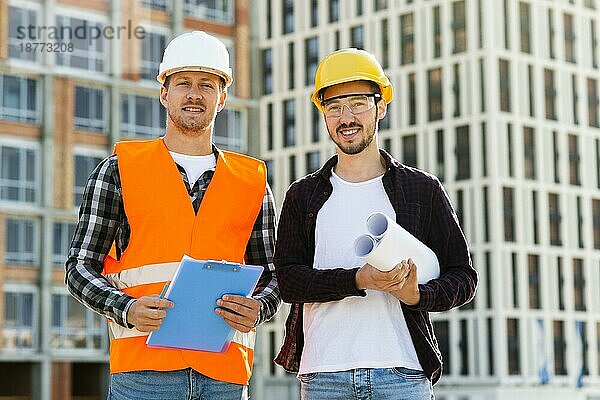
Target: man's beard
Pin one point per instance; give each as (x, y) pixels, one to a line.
(354, 148)
(190, 126)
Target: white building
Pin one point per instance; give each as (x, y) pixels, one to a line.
(500, 99)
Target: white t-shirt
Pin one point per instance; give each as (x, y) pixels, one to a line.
(194, 166)
(356, 332)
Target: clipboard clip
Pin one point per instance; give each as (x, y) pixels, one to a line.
(221, 265)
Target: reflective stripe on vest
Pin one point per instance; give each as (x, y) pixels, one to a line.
(164, 227)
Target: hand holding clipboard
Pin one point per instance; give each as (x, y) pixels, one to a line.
(195, 289)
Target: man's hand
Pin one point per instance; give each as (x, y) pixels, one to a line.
(408, 291)
(238, 311)
(369, 277)
(146, 313)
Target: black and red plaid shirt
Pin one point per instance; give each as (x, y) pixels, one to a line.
(422, 207)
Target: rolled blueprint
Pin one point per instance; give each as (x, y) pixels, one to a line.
(387, 244)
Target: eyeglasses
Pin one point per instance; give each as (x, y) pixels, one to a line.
(357, 104)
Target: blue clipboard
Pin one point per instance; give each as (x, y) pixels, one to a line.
(192, 323)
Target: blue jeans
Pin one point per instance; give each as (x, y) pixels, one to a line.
(185, 384)
(366, 384)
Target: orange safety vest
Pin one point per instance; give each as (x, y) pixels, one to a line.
(163, 229)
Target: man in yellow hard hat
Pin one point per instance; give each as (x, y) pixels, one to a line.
(154, 202)
(355, 332)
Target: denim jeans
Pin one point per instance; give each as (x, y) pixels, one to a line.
(185, 384)
(366, 384)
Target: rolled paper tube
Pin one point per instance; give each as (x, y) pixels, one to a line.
(364, 244)
(396, 244)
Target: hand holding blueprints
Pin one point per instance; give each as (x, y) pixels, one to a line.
(387, 244)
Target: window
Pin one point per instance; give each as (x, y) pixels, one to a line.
(550, 94)
(153, 46)
(359, 7)
(292, 168)
(142, 116)
(22, 241)
(593, 101)
(269, 19)
(19, 174)
(560, 345)
(534, 216)
(311, 48)
(597, 162)
(437, 33)
(456, 89)
(439, 154)
(387, 145)
(434, 78)
(509, 152)
(270, 136)
(551, 33)
(593, 44)
(486, 215)
(18, 20)
(316, 124)
(230, 131)
(313, 162)
(574, 160)
(459, 26)
(20, 313)
(561, 283)
(407, 39)
(463, 346)
(533, 264)
(270, 165)
(288, 16)
(569, 38)
(463, 153)
(314, 13)
(161, 5)
(525, 28)
(514, 354)
(531, 83)
(480, 23)
(412, 99)
(579, 224)
(504, 73)
(578, 285)
(19, 101)
(90, 114)
(515, 280)
(379, 5)
(506, 25)
(334, 10)
(529, 152)
(291, 66)
(289, 123)
(267, 61)
(409, 150)
(74, 326)
(556, 155)
(442, 334)
(481, 85)
(555, 217)
(385, 122)
(484, 149)
(357, 37)
(385, 44)
(91, 55)
(575, 98)
(509, 221)
(63, 234)
(84, 165)
(490, 345)
(596, 222)
(220, 11)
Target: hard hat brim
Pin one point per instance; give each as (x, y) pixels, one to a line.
(227, 78)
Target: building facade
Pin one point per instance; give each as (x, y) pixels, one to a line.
(75, 77)
(500, 100)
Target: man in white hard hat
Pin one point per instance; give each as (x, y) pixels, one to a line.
(154, 201)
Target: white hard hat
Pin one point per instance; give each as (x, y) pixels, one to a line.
(196, 51)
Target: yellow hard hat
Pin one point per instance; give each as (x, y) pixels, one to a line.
(348, 65)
